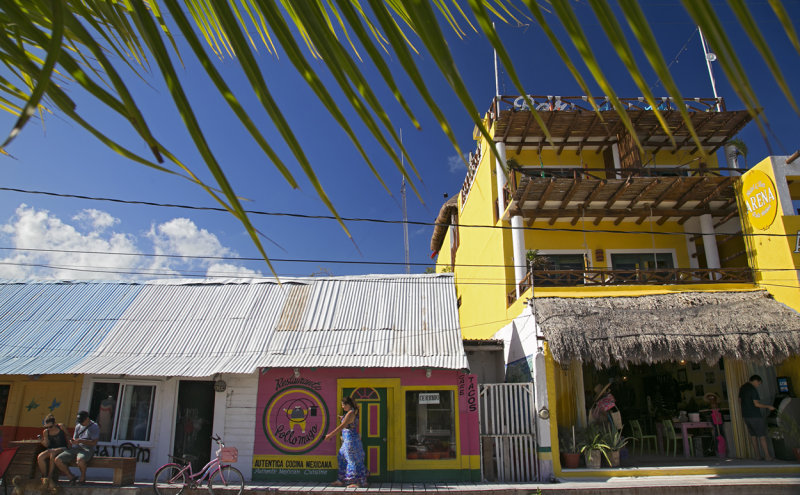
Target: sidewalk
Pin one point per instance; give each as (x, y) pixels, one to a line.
(650, 485)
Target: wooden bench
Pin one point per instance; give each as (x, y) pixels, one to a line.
(124, 468)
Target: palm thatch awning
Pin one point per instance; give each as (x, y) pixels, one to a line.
(449, 208)
(695, 326)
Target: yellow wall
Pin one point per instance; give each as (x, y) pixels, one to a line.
(483, 289)
(772, 254)
(31, 398)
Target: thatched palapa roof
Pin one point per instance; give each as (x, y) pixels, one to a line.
(695, 326)
(442, 222)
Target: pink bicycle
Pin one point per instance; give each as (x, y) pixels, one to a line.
(175, 477)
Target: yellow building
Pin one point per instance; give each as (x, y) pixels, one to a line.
(598, 261)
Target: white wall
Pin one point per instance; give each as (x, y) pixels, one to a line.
(240, 418)
(234, 420)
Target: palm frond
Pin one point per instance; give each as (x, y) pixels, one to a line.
(44, 42)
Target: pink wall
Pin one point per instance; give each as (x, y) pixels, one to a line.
(294, 414)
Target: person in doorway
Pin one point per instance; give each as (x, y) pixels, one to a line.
(751, 412)
(87, 432)
(604, 409)
(54, 440)
(352, 471)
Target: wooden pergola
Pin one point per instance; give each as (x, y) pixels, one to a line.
(681, 198)
(574, 125)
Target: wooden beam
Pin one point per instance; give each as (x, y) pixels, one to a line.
(688, 194)
(638, 212)
(569, 132)
(594, 192)
(525, 131)
(524, 197)
(734, 255)
(622, 188)
(717, 190)
(708, 138)
(547, 124)
(588, 133)
(546, 193)
(644, 191)
(657, 126)
(727, 217)
(508, 126)
(570, 192)
(663, 195)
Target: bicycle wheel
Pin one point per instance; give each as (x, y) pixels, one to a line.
(170, 479)
(226, 480)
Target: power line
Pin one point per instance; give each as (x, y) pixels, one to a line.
(379, 220)
(277, 260)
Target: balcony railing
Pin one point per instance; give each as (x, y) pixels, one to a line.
(604, 277)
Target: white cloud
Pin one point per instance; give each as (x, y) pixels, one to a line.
(229, 270)
(456, 164)
(64, 252)
(96, 219)
(182, 237)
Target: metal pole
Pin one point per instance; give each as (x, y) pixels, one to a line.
(708, 57)
(496, 77)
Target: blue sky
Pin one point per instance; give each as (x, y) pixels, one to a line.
(58, 156)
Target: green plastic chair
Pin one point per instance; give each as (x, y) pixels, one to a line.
(641, 438)
(671, 436)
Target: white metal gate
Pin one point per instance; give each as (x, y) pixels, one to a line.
(507, 414)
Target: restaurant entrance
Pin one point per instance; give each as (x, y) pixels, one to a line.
(672, 413)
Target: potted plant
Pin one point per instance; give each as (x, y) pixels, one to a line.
(594, 447)
(615, 442)
(535, 260)
(569, 449)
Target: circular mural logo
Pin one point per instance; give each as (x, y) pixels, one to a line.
(295, 420)
(760, 199)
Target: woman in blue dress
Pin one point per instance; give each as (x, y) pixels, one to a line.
(351, 455)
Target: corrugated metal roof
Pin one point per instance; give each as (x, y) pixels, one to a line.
(199, 328)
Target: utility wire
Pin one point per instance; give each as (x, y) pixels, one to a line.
(379, 220)
(280, 260)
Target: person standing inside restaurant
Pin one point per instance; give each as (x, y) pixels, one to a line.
(54, 440)
(751, 412)
(81, 449)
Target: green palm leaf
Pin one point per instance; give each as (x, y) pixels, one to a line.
(44, 42)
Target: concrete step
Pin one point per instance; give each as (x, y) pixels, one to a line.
(650, 485)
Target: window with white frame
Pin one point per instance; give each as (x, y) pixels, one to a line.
(124, 411)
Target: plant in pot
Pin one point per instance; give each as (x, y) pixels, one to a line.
(593, 448)
(615, 442)
(568, 444)
(535, 260)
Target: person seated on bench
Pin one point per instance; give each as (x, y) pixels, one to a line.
(54, 440)
(87, 432)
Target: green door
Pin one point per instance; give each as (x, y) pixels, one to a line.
(373, 408)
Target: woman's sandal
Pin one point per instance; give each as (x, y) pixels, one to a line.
(73, 480)
(337, 483)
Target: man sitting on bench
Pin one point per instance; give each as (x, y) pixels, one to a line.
(81, 449)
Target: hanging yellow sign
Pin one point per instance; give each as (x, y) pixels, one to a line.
(760, 199)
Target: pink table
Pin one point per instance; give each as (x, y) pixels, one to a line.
(690, 426)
